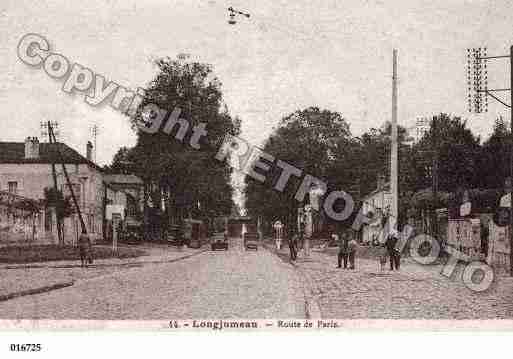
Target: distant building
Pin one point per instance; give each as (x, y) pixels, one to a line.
(422, 126)
(125, 196)
(25, 171)
(375, 206)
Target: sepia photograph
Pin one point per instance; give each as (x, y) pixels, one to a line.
(255, 166)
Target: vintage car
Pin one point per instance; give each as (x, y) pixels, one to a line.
(250, 240)
(132, 233)
(219, 241)
(175, 236)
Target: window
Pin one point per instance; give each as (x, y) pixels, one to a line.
(13, 187)
(131, 206)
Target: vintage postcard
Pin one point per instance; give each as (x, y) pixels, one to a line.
(216, 166)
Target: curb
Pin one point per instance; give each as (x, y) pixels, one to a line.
(22, 293)
(49, 288)
(312, 308)
(103, 265)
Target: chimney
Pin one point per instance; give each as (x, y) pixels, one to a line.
(31, 148)
(35, 147)
(89, 151)
(28, 148)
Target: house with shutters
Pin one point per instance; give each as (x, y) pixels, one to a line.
(26, 170)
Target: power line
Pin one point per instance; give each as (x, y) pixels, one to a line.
(94, 132)
(45, 133)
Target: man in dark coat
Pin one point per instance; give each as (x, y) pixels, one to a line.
(343, 250)
(293, 238)
(393, 253)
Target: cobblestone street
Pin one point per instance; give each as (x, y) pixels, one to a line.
(415, 292)
(176, 284)
(221, 285)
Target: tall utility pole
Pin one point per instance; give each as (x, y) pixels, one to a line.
(435, 176)
(46, 131)
(511, 161)
(394, 183)
(94, 132)
(477, 86)
(77, 205)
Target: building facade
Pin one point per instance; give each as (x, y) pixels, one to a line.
(26, 170)
(376, 205)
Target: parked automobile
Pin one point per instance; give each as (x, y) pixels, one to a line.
(132, 233)
(175, 236)
(219, 241)
(250, 240)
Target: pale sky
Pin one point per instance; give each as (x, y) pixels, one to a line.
(289, 55)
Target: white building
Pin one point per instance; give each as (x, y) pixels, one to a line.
(375, 205)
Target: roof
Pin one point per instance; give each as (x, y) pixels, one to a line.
(123, 179)
(14, 152)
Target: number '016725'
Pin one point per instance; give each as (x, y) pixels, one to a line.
(25, 347)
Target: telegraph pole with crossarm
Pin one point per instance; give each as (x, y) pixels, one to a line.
(477, 81)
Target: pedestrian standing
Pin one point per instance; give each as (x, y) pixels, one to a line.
(353, 248)
(300, 243)
(293, 246)
(485, 233)
(393, 253)
(85, 249)
(382, 257)
(343, 250)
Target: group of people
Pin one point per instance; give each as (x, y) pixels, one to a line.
(393, 254)
(347, 248)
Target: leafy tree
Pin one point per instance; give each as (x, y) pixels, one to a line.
(122, 162)
(189, 181)
(309, 139)
(457, 149)
(494, 163)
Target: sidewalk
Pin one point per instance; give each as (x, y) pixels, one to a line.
(414, 292)
(31, 278)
